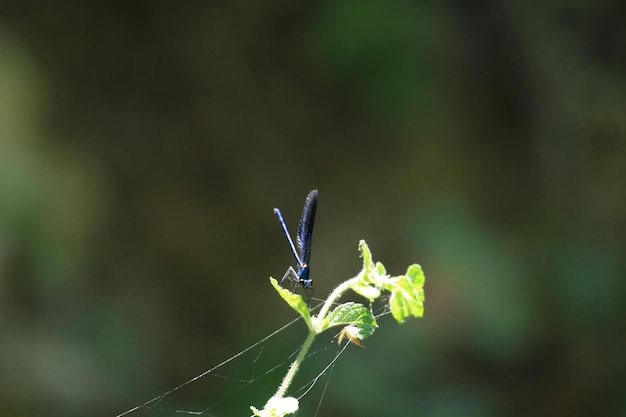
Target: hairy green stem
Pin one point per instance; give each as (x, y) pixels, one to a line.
(282, 389)
(330, 301)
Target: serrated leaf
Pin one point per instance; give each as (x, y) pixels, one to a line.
(415, 274)
(407, 294)
(404, 303)
(346, 313)
(355, 314)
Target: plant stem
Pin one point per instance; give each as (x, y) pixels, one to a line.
(282, 389)
(330, 301)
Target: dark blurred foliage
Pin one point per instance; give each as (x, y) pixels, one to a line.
(143, 146)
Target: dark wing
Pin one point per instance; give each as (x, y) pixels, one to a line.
(305, 230)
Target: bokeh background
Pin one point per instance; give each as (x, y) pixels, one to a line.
(143, 146)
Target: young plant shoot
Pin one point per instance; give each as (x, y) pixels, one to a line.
(406, 299)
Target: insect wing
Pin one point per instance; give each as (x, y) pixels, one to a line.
(305, 229)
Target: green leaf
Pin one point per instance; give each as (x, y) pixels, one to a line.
(380, 269)
(355, 314)
(366, 290)
(401, 307)
(295, 301)
(366, 254)
(415, 274)
(407, 294)
(367, 283)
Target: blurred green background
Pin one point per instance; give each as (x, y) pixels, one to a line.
(143, 146)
